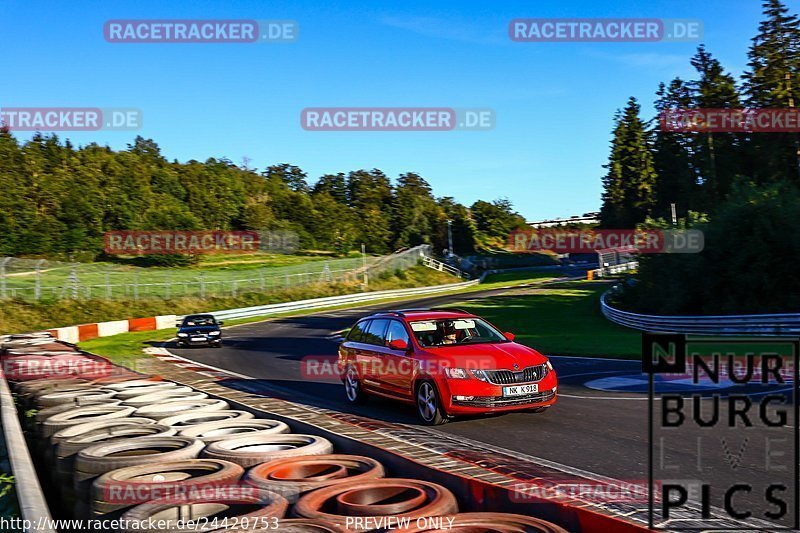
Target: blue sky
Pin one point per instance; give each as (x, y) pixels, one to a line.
(554, 102)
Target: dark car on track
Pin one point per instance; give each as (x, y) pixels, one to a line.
(199, 330)
(445, 362)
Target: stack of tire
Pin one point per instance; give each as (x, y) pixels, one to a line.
(138, 447)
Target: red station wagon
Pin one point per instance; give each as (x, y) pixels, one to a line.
(444, 361)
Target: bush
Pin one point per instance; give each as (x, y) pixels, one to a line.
(749, 264)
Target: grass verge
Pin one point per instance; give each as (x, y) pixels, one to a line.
(560, 319)
(18, 316)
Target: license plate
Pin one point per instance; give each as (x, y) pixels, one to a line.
(199, 338)
(520, 390)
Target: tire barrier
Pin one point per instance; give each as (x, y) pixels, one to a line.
(166, 396)
(493, 522)
(27, 388)
(253, 509)
(407, 498)
(71, 432)
(101, 458)
(115, 443)
(47, 412)
(123, 488)
(294, 476)
(250, 451)
(67, 449)
(96, 460)
(71, 446)
(126, 393)
(75, 397)
(194, 418)
(78, 415)
(174, 407)
(231, 429)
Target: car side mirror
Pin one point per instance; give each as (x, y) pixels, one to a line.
(220, 322)
(177, 324)
(398, 344)
(509, 336)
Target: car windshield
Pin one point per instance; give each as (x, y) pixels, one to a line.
(199, 321)
(455, 331)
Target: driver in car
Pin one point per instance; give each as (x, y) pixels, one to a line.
(449, 333)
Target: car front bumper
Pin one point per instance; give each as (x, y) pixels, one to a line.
(464, 397)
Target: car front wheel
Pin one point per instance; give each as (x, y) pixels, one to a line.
(352, 387)
(429, 407)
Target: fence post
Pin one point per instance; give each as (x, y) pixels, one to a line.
(202, 285)
(364, 265)
(135, 284)
(166, 285)
(37, 290)
(3, 277)
(73, 280)
(261, 279)
(233, 284)
(108, 283)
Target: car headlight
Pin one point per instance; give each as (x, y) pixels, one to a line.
(183, 335)
(549, 365)
(456, 373)
(212, 333)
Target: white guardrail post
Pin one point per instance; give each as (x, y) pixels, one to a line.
(787, 324)
(32, 503)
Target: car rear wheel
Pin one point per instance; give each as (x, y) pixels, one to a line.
(352, 387)
(429, 406)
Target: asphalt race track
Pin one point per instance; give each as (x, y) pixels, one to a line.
(599, 424)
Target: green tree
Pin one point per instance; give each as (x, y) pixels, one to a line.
(773, 81)
(629, 185)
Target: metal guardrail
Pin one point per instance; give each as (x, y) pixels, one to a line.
(32, 503)
(435, 264)
(331, 301)
(787, 324)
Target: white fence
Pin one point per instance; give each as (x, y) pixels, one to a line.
(35, 280)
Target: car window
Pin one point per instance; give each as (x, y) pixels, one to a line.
(199, 321)
(455, 331)
(375, 332)
(357, 332)
(396, 331)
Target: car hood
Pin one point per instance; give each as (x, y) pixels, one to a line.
(489, 356)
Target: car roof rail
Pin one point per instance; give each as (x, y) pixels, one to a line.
(389, 312)
(439, 309)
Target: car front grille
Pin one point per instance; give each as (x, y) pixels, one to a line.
(499, 401)
(511, 377)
